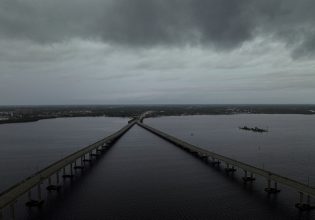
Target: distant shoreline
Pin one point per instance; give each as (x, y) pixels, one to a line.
(34, 119)
(24, 114)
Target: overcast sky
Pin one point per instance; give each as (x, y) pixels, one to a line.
(157, 51)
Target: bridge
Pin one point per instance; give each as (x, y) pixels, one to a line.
(79, 159)
(76, 160)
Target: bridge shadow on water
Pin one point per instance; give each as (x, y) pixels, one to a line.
(145, 177)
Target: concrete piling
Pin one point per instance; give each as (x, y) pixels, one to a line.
(71, 169)
(57, 177)
(29, 194)
(39, 192)
(215, 162)
(308, 200)
(78, 167)
(229, 169)
(272, 190)
(8, 198)
(35, 203)
(52, 187)
(85, 159)
(12, 210)
(247, 178)
(65, 175)
(104, 146)
(304, 206)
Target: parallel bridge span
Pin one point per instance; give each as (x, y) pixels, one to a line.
(11, 195)
(302, 188)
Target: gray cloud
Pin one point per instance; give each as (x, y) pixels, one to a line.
(91, 73)
(220, 24)
(156, 51)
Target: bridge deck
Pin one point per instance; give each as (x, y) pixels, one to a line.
(12, 194)
(9, 196)
(300, 187)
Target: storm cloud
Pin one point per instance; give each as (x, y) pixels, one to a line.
(219, 24)
(157, 51)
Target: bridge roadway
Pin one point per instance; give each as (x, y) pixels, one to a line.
(302, 188)
(11, 195)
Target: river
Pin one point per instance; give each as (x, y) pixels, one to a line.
(25, 148)
(145, 177)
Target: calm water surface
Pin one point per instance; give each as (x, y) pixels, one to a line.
(145, 177)
(28, 147)
(288, 148)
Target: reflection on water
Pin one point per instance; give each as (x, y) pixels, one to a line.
(145, 177)
(288, 148)
(28, 147)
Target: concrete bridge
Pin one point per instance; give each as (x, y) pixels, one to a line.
(79, 159)
(249, 171)
(74, 161)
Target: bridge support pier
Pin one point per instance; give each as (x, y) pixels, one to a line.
(94, 154)
(71, 169)
(29, 194)
(195, 153)
(52, 187)
(39, 191)
(304, 206)
(35, 203)
(229, 169)
(100, 149)
(12, 210)
(26, 186)
(247, 178)
(215, 162)
(71, 172)
(57, 177)
(78, 167)
(104, 146)
(85, 159)
(272, 190)
(203, 157)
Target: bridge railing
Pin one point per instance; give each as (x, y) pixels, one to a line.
(270, 176)
(12, 194)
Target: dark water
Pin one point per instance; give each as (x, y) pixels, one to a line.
(144, 177)
(28, 147)
(288, 148)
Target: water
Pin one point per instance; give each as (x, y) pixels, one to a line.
(29, 147)
(288, 148)
(145, 177)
